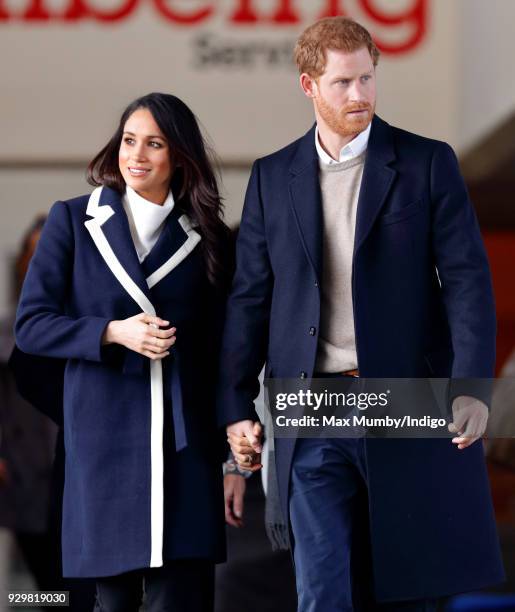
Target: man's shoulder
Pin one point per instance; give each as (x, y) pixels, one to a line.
(283, 157)
(411, 142)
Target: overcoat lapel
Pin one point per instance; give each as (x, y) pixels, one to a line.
(377, 179)
(175, 243)
(170, 240)
(109, 229)
(306, 201)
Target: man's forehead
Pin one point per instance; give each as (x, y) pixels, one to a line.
(342, 57)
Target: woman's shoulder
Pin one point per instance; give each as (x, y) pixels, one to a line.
(78, 203)
(72, 208)
(64, 214)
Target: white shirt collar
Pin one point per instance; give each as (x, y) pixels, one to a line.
(135, 198)
(146, 219)
(352, 149)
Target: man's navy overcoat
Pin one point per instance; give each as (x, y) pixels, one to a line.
(423, 306)
(143, 471)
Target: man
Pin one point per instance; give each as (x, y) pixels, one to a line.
(359, 253)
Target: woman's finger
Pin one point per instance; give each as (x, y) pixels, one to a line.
(156, 345)
(151, 320)
(161, 333)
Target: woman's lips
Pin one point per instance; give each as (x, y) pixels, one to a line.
(137, 172)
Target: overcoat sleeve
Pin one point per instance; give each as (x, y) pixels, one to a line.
(464, 274)
(245, 337)
(43, 327)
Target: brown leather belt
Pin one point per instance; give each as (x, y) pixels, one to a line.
(350, 373)
(354, 373)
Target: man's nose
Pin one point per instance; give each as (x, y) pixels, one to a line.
(357, 92)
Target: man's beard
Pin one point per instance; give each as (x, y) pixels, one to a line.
(342, 123)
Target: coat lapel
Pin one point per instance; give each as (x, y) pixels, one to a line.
(306, 201)
(109, 229)
(170, 240)
(377, 178)
(176, 241)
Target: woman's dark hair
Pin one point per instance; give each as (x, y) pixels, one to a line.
(193, 183)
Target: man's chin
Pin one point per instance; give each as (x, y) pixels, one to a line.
(354, 126)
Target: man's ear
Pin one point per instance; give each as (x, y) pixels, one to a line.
(309, 85)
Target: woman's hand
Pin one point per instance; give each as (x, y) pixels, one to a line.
(141, 334)
(234, 493)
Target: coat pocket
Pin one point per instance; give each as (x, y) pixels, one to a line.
(401, 215)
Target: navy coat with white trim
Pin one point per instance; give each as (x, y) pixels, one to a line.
(143, 477)
(431, 519)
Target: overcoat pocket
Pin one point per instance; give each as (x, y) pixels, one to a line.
(400, 215)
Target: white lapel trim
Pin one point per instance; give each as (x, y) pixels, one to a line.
(179, 255)
(100, 215)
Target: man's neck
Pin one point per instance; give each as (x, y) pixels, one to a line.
(331, 142)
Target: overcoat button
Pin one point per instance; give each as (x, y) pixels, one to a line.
(312, 331)
(303, 374)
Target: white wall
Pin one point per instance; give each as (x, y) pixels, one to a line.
(486, 71)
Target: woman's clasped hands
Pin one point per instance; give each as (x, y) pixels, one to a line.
(142, 334)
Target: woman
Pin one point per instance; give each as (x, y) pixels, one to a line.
(128, 285)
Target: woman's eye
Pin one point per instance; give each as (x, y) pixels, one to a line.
(156, 145)
(128, 140)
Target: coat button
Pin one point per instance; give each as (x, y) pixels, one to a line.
(303, 374)
(312, 331)
(316, 283)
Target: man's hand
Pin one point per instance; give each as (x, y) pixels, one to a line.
(245, 440)
(234, 494)
(470, 417)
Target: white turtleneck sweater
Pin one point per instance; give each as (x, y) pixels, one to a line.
(146, 220)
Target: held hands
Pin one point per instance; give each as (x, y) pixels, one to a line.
(245, 440)
(141, 334)
(470, 417)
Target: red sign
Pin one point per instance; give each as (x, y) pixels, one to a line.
(243, 13)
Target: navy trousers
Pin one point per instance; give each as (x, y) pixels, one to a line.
(329, 522)
(178, 586)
